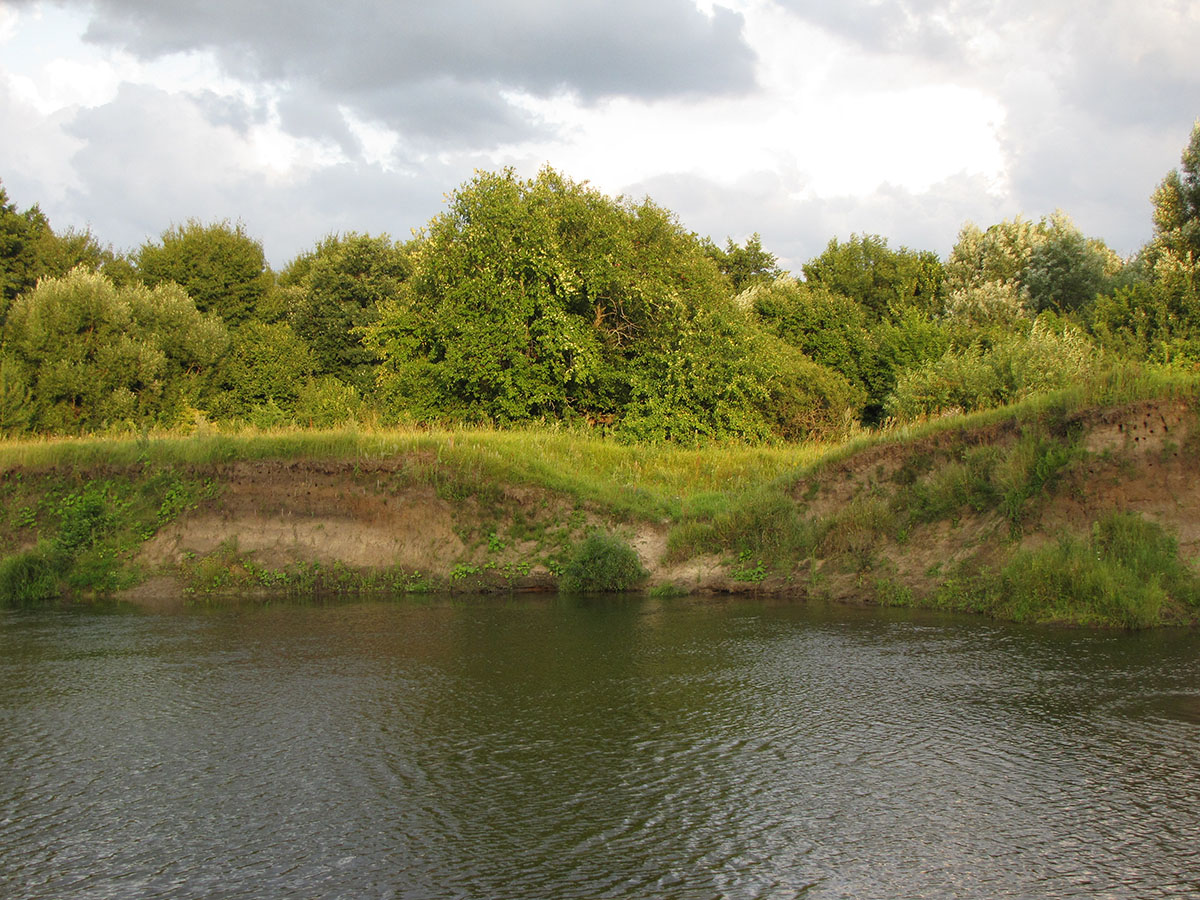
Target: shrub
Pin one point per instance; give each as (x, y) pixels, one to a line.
(83, 519)
(601, 562)
(30, 577)
(1052, 355)
(1127, 573)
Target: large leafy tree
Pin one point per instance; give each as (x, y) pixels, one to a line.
(744, 265)
(829, 328)
(1066, 271)
(19, 234)
(833, 331)
(83, 354)
(30, 249)
(1163, 316)
(222, 268)
(336, 290)
(882, 280)
(544, 298)
(1177, 205)
(264, 372)
(999, 279)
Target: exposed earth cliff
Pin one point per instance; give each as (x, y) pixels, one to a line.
(916, 520)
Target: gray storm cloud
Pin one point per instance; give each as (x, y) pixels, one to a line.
(440, 70)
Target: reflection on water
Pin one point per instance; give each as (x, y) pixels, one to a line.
(546, 749)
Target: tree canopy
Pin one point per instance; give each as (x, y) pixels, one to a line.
(884, 281)
(544, 298)
(222, 268)
(335, 291)
(84, 354)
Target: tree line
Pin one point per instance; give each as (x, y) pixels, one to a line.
(544, 300)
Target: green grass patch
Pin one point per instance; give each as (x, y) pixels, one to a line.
(85, 530)
(1126, 573)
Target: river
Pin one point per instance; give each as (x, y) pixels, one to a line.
(546, 748)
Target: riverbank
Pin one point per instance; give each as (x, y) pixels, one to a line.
(1082, 508)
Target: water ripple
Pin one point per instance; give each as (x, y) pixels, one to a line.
(551, 750)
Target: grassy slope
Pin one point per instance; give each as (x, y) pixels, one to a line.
(843, 521)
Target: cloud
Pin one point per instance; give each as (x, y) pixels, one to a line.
(796, 224)
(439, 72)
(36, 168)
(800, 119)
(1098, 96)
(595, 47)
(192, 163)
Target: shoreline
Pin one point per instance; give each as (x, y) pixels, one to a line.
(937, 520)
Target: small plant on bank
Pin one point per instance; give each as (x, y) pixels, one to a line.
(601, 562)
(754, 573)
(30, 577)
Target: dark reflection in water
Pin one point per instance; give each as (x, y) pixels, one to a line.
(550, 749)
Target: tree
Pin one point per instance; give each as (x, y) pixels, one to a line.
(30, 250)
(1157, 316)
(1001, 278)
(543, 298)
(1066, 271)
(221, 267)
(335, 291)
(998, 255)
(267, 367)
(827, 327)
(882, 280)
(1177, 205)
(20, 233)
(89, 355)
(746, 265)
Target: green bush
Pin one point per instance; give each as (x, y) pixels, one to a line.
(1127, 573)
(601, 562)
(327, 401)
(83, 518)
(1052, 355)
(30, 577)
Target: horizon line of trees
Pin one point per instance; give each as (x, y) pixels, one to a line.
(544, 300)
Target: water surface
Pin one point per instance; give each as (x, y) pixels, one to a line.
(548, 749)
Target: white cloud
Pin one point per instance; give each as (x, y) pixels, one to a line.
(378, 142)
(800, 119)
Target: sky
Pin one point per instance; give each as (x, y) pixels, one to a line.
(801, 120)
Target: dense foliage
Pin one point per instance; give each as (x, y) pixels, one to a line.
(82, 354)
(544, 300)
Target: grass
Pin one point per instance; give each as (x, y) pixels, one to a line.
(76, 509)
(646, 480)
(1125, 573)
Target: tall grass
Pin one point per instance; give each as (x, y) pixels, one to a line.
(651, 480)
(1126, 573)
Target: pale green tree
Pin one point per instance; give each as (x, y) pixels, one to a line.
(89, 355)
(1177, 206)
